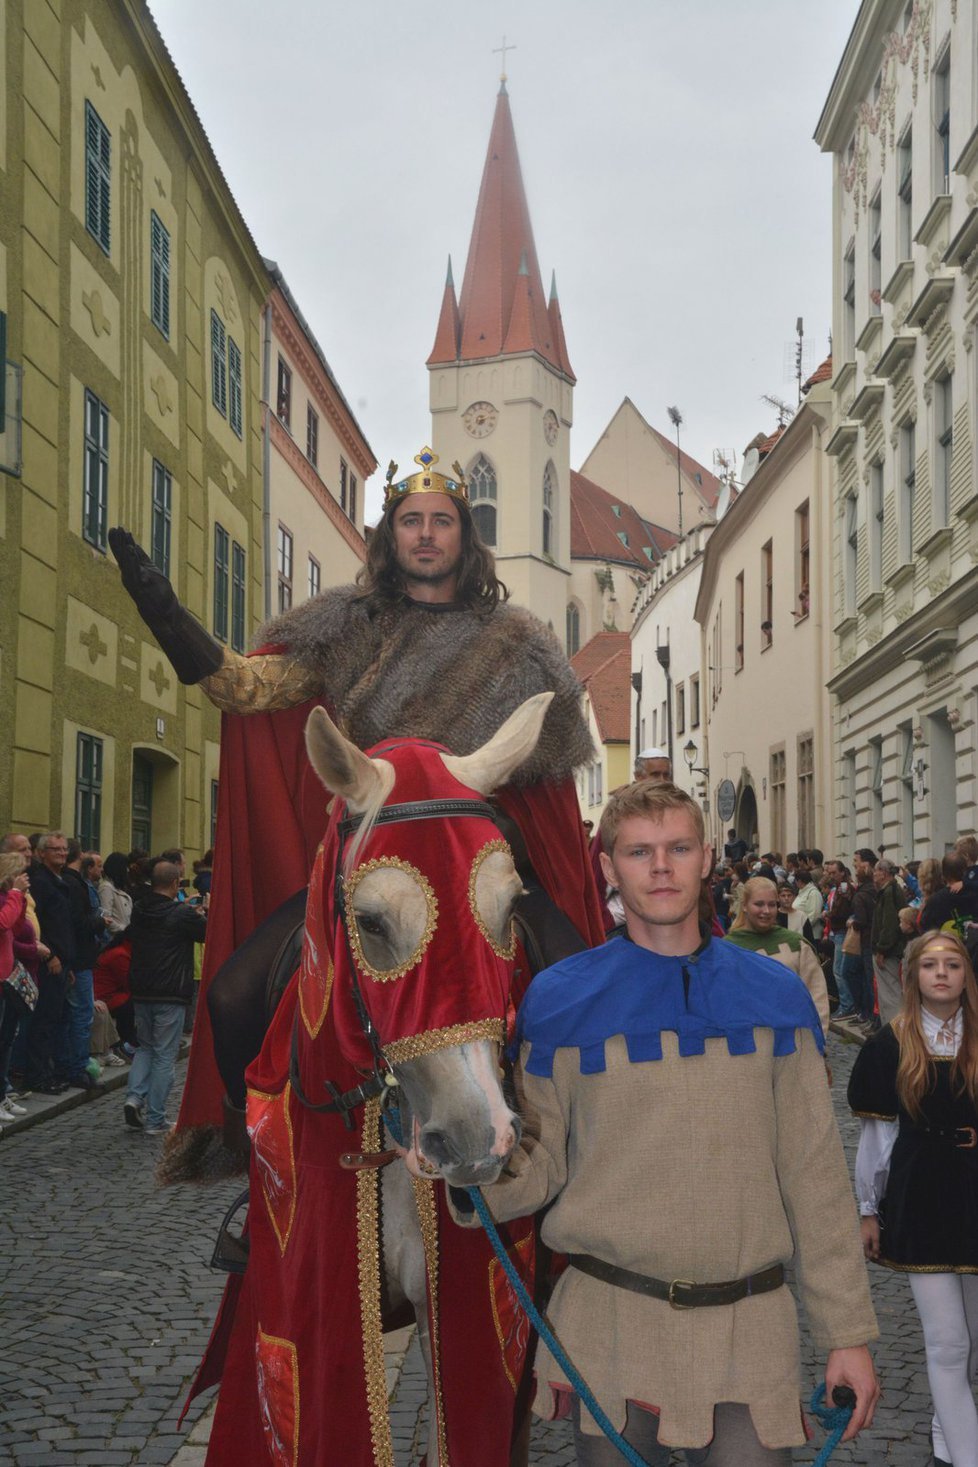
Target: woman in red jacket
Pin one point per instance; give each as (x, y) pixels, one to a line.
(13, 885)
(111, 974)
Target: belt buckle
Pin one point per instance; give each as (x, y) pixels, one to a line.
(971, 1136)
(675, 1303)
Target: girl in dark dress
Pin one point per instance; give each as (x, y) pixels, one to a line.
(915, 1088)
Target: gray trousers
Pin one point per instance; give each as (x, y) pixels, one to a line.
(889, 989)
(735, 1442)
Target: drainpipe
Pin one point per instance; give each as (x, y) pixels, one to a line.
(266, 465)
(637, 685)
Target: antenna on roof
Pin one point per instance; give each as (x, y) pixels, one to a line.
(783, 409)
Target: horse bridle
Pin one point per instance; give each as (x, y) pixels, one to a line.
(381, 1078)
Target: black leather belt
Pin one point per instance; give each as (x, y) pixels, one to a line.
(964, 1137)
(681, 1293)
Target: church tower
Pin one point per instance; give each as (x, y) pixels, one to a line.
(502, 388)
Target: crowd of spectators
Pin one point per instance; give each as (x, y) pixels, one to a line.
(67, 921)
(858, 918)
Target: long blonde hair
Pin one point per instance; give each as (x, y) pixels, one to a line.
(916, 1072)
(750, 886)
(929, 877)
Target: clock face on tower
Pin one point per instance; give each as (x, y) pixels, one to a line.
(550, 426)
(480, 419)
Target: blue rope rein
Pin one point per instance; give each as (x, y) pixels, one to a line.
(834, 1419)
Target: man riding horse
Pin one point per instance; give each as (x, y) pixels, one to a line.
(424, 645)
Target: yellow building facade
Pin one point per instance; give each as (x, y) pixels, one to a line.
(132, 295)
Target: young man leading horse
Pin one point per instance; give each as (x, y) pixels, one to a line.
(677, 1126)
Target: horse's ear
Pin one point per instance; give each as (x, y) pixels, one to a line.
(343, 768)
(511, 744)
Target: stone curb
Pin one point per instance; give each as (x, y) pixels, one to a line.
(46, 1107)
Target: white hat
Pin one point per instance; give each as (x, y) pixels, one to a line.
(653, 754)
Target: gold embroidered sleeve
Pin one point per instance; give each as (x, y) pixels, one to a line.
(260, 684)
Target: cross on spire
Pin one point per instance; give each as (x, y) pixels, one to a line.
(503, 49)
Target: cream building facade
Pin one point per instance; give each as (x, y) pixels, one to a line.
(763, 613)
(667, 671)
(900, 123)
(316, 460)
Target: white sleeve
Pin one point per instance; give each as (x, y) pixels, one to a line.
(876, 1140)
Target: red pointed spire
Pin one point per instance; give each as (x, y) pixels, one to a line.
(557, 330)
(445, 348)
(501, 307)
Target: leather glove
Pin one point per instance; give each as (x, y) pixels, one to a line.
(192, 652)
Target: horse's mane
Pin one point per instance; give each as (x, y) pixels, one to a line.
(373, 808)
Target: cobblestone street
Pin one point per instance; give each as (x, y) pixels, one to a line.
(108, 1301)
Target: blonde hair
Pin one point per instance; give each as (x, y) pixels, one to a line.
(915, 1071)
(12, 863)
(750, 887)
(929, 876)
(650, 799)
(908, 914)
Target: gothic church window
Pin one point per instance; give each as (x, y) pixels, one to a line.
(573, 629)
(549, 508)
(482, 499)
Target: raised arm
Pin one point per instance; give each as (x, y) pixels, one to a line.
(234, 683)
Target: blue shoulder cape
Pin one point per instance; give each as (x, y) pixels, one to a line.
(624, 989)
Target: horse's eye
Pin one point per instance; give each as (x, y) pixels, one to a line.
(367, 922)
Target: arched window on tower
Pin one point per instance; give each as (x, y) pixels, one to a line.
(482, 499)
(573, 628)
(549, 510)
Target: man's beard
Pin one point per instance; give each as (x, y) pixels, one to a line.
(428, 575)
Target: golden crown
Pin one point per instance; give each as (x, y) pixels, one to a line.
(426, 481)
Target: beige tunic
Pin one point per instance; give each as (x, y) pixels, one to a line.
(706, 1168)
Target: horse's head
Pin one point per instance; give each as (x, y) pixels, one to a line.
(427, 891)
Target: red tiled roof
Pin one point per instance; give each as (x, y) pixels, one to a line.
(765, 448)
(705, 484)
(604, 666)
(502, 308)
(596, 528)
(820, 374)
(445, 348)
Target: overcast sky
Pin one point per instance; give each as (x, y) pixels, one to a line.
(668, 159)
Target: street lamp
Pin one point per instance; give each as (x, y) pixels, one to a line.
(691, 754)
(676, 417)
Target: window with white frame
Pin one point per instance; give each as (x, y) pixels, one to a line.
(98, 177)
(905, 196)
(906, 786)
(942, 123)
(680, 708)
(694, 701)
(595, 783)
(875, 254)
(219, 366)
(285, 553)
(908, 484)
(315, 576)
(344, 484)
(238, 593)
(312, 435)
(806, 791)
(778, 781)
(88, 791)
(549, 509)
(876, 526)
(850, 553)
(95, 494)
(876, 791)
(849, 302)
(767, 594)
(482, 499)
(944, 444)
(352, 506)
(739, 622)
(162, 517)
(159, 274)
(803, 561)
(573, 629)
(283, 394)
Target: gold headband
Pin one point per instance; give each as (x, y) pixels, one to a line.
(428, 481)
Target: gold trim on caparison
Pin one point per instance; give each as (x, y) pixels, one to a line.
(368, 1268)
(509, 953)
(382, 863)
(399, 1051)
